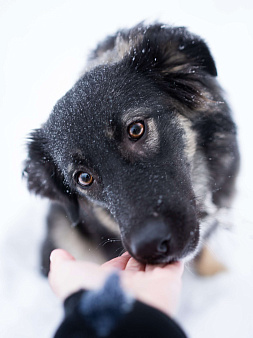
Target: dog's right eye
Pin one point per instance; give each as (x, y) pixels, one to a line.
(83, 179)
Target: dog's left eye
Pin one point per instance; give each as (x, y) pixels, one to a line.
(136, 130)
(83, 179)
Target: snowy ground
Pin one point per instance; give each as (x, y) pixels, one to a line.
(43, 47)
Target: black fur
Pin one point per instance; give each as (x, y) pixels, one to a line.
(154, 188)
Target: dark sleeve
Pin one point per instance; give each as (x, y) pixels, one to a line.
(109, 312)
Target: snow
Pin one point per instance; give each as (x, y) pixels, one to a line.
(43, 49)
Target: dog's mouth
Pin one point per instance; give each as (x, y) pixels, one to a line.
(150, 246)
(156, 260)
(163, 258)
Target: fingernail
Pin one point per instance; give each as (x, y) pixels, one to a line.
(60, 254)
(52, 255)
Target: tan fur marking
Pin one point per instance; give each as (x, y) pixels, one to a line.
(190, 137)
(152, 142)
(177, 69)
(132, 115)
(178, 58)
(206, 264)
(69, 239)
(111, 56)
(121, 48)
(107, 221)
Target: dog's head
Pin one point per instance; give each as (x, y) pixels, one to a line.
(121, 138)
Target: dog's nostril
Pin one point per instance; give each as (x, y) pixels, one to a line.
(163, 246)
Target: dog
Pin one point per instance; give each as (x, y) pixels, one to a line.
(140, 154)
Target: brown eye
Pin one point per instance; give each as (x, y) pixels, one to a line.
(84, 179)
(136, 130)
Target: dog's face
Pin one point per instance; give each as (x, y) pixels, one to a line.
(119, 139)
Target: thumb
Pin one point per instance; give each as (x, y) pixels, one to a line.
(60, 255)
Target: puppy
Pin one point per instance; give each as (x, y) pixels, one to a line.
(141, 153)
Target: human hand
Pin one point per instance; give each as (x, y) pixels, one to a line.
(156, 285)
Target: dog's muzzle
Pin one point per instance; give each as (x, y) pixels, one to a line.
(155, 243)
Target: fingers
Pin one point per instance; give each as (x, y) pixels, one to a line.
(175, 267)
(150, 267)
(124, 262)
(60, 266)
(118, 262)
(133, 265)
(67, 275)
(59, 255)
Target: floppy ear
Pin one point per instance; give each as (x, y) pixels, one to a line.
(171, 48)
(44, 178)
(175, 59)
(187, 49)
(197, 51)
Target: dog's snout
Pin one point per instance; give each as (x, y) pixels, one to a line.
(151, 241)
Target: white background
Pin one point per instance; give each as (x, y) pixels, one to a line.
(43, 48)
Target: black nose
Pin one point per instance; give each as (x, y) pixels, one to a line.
(152, 241)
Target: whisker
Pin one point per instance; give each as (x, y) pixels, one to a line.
(106, 241)
(122, 250)
(109, 241)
